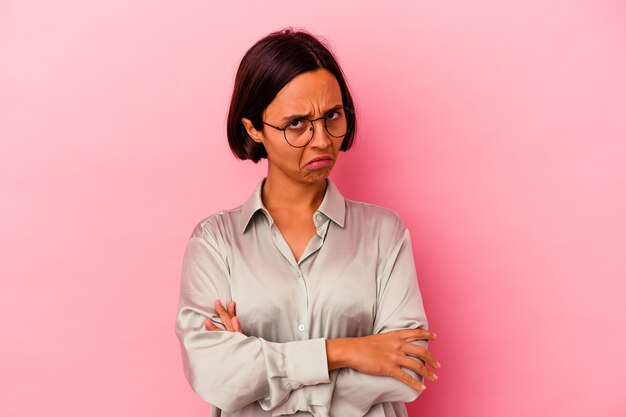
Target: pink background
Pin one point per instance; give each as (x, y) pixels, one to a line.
(495, 128)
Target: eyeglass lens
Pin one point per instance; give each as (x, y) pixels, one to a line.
(298, 132)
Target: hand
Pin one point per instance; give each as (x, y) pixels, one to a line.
(229, 318)
(385, 354)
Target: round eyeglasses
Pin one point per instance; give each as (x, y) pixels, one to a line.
(299, 131)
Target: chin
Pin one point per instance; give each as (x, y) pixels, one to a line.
(317, 175)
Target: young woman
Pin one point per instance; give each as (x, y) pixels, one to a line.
(329, 319)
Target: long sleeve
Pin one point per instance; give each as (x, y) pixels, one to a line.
(228, 369)
(399, 306)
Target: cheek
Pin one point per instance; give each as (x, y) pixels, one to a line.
(338, 143)
(283, 155)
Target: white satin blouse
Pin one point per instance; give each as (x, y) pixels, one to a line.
(355, 278)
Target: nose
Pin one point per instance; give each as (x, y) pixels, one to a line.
(320, 138)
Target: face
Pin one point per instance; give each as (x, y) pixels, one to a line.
(311, 95)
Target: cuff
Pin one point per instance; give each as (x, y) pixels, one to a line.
(306, 362)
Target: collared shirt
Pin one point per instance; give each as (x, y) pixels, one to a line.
(356, 277)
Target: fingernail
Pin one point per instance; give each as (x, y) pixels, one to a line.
(423, 387)
(435, 335)
(438, 365)
(435, 377)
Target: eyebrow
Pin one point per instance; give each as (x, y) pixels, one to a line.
(301, 116)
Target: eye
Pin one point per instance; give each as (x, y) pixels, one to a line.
(295, 124)
(333, 114)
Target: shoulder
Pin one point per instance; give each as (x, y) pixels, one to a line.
(384, 221)
(218, 224)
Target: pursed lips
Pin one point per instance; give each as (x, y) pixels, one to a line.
(323, 158)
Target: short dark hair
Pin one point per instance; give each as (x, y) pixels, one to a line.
(264, 70)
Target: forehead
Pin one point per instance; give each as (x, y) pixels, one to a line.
(306, 93)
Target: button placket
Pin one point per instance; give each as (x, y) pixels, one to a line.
(304, 309)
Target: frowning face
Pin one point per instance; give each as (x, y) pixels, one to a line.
(310, 95)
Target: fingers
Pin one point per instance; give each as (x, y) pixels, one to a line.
(236, 324)
(400, 375)
(225, 315)
(422, 353)
(418, 367)
(233, 313)
(416, 334)
(228, 317)
(210, 325)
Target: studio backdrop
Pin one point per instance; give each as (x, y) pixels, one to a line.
(496, 129)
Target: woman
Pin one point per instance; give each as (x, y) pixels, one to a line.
(328, 318)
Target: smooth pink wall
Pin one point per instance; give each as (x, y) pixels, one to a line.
(495, 128)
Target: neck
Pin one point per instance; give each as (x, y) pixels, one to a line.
(286, 194)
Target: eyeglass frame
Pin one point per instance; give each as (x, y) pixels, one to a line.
(284, 129)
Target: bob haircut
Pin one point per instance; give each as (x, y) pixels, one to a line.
(264, 70)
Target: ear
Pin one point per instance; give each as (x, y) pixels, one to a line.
(254, 134)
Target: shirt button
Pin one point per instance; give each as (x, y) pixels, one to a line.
(301, 327)
(298, 273)
(319, 217)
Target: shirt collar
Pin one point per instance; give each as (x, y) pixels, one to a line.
(333, 205)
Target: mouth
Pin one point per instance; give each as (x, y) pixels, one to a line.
(319, 163)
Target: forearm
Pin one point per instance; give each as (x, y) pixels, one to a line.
(386, 386)
(362, 383)
(356, 392)
(338, 352)
(231, 370)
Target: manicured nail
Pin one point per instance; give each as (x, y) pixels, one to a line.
(435, 377)
(423, 387)
(435, 335)
(438, 365)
